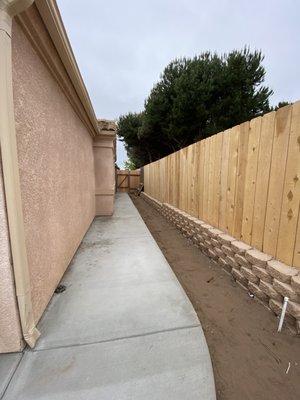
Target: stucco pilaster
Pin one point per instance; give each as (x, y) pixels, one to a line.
(104, 159)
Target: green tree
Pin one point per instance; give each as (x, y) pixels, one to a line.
(195, 98)
(281, 104)
(128, 131)
(130, 165)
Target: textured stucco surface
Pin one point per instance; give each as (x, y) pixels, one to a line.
(10, 333)
(104, 176)
(56, 170)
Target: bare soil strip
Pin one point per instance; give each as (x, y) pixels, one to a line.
(250, 359)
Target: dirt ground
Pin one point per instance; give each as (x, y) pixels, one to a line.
(250, 359)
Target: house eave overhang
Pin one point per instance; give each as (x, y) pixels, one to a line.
(67, 73)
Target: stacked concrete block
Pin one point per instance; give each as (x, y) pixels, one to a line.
(225, 253)
(239, 277)
(262, 274)
(269, 291)
(285, 280)
(256, 290)
(153, 202)
(197, 238)
(213, 249)
(266, 278)
(249, 275)
(281, 271)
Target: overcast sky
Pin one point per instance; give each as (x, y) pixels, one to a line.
(122, 46)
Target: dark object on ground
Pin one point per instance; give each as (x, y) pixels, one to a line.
(139, 189)
(249, 357)
(60, 289)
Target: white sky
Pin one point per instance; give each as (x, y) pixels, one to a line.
(122, 46)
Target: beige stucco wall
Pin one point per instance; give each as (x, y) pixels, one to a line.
(104, 175)
(56, 170)
(10, 332)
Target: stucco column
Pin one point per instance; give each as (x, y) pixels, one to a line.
(104, 159)
(8, 142)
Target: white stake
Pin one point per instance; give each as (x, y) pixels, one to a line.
(285, 301)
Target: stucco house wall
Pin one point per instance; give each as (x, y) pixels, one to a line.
(56, 164)
(51, 188)
(10, 332)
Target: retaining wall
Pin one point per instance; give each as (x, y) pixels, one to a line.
(268, 279)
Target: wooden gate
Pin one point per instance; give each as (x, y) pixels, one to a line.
(128, 181)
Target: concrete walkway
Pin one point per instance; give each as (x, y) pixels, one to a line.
(123, 329)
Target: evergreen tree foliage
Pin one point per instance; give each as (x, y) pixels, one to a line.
(194, 99)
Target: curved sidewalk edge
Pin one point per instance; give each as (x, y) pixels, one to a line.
(123, 329)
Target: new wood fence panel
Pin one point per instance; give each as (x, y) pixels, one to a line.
(157, 185)
(146, 178)
(183, 180)
(175, 178)
(241, 179)
(162, 180)
(193, 158)
(152, 185)
(201, 178)
(181, 171)
(251, 172)
(224, 178)
(150, 173)
(168, 177)
(244, 181)
(206, 180)
(211, 167)
(276, 182)
(231, 180)
(189, 172)
(135, 179)
(168, 180)
(217, 178)
(262, 179)
(296, 259)
(147, 187)
(196, 170)
(153, 180)
(291, 193)
(166, 183)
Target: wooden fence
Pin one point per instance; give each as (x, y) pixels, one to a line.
(244, 180)
(127, 180)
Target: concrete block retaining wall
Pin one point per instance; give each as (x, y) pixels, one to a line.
(266, 278)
